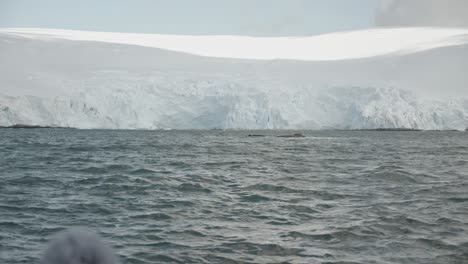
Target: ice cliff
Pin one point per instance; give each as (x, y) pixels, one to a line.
(380, 78)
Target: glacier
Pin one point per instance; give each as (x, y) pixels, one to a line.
(378, 78)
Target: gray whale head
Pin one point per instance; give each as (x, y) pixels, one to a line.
(78, 246)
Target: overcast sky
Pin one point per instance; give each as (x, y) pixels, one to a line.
(231, 17)
(235, 17)
(445, 13)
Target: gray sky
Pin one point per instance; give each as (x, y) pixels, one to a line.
(226, 17)
(231, 17)
(450, 13)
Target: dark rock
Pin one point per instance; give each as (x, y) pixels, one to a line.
(28, 126)
(31, 126)
(297, 135)
(387, 129)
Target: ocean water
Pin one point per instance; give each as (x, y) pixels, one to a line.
(224, 197)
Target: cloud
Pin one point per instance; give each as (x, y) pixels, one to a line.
(443, 13)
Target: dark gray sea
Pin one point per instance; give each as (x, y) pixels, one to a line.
(224, 197)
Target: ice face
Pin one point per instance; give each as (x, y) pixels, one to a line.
(60, 81)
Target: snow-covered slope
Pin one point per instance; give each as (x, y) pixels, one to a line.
(333, 46)
(412, 77)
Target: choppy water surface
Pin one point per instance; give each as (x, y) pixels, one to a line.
(224, 197)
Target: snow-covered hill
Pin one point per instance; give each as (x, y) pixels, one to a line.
(412, 78)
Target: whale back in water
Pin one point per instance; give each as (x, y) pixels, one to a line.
(78, 246)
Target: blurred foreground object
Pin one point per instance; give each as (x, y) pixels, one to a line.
(78, 246)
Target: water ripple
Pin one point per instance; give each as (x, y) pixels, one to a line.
(224, 197)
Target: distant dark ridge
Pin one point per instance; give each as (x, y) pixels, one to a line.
(382, 129)
(32, 126)
(402, 129)
(391, 129)
(296, 135)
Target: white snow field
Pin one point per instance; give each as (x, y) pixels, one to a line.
(376, 78)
